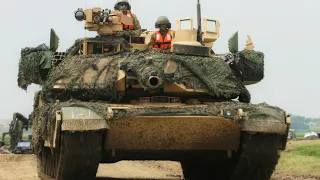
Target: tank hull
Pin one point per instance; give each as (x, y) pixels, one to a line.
(166, 126)
(173, 133)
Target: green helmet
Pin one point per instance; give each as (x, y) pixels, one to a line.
(162, 20)
(116, 7)
(119, 1)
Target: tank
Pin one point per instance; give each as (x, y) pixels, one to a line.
(110, 98)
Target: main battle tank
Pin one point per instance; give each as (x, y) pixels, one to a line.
(111, 98)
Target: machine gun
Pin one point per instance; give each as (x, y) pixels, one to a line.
(103, 21)
(106, 23)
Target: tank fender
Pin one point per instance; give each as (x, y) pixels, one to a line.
(266, 119)
(82, 119)
(272, 126)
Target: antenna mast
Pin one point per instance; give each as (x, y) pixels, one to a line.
(199, 21)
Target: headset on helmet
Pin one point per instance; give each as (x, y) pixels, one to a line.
(162, 18)
(116, 7)
(158, 25)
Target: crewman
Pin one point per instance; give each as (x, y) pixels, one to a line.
(162, 38)
(134, 29)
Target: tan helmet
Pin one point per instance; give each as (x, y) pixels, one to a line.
(162, 20)
(122, 1)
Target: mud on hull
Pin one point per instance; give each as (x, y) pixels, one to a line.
(195, 135)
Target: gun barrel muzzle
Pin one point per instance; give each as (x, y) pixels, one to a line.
(154, 82)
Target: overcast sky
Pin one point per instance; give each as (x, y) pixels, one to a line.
(287, 31)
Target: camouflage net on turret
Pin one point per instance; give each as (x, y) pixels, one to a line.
(211, 75)
(208, 74)
(44, 118)
(251, 65)
(29, 71)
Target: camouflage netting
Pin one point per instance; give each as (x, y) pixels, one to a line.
(75, 66)
(29, 71)
(44, 118)
(30, 61)
(209, 74)
(251, 65)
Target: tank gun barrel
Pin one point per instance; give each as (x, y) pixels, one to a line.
(154, 82)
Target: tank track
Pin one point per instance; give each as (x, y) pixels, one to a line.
(256, 160)
(76, 158)
(258, 157)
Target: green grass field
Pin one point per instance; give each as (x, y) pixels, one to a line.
(300, 134)
(315, 128)
(301, 158)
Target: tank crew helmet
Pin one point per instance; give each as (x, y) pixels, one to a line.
(162, 20)
(122, 3)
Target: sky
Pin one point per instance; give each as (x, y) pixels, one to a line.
(287, 31)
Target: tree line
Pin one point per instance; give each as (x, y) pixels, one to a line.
(301, 122)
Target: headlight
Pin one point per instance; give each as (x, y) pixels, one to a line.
(239, 113)
(229, 112)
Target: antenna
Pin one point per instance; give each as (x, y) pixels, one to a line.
(199, 21)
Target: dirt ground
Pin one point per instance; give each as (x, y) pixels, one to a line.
(22, 167)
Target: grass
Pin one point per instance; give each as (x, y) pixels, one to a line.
(309, 150)
(315, 128)
(300, 134)
(300, 158)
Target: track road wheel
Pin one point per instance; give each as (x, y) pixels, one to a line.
(258, 157)
(77, 157)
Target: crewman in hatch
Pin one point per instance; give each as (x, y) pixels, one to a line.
(134, 29)
(162, 38)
